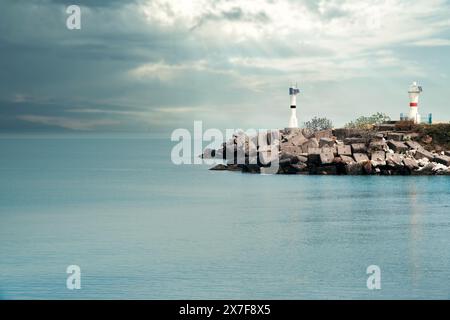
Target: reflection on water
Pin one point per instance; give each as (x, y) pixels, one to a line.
(416, 230)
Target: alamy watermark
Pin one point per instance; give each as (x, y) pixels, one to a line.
(73, 281)
(73, 22)
(374, 279)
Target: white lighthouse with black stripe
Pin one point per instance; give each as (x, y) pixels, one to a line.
(293, 91)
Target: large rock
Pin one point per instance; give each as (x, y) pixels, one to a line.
(323, 134)
(411, 163)
(394, 160)
(359, 148)
(378, 158)
(326, 142)
(326, 158)
(353, 140)
(354, 168)
(311, 143)
(432, 168)
(326, 170)
(367, 167)
(294, 150)
(377, 146)
(219, 167)
(395, 136)
(344, 150)
(447, 153)
(397, 146)
(445, 160)
(347, 159)
(314, 155)
(294, 168)
(299, 167)
(298, 140)
(332, 150)
(414, 145)
(422, 153)
(360, 157)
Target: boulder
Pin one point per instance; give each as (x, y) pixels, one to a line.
(326, 158)
(294, 150)
(326, 142)
(219, 167)
(234, 167)
(395, 136)
(359, 148)
(445, 160)
(347, 159)
(411, 163)
(397, 146)
(344, 150)
(332, 150)
(377, 146)
(286, 159)
(353, 140)
(311, 143)
(354, 168)
(432, 168)
(292, 131)
(314, 155)
(378, 158)
(299, 167)
(302, 158)
(447, 153)
(360, 157)
(394, 160)
(414, 145)
(385, 127)
(439, 168)
(325, 170)
(367, 167)
(323, 134)
(298, 140)
(422, 153)
(378, 136)
(423, 162)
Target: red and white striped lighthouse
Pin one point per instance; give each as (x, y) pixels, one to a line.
(414, 92)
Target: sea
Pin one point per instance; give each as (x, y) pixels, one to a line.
(139, 226)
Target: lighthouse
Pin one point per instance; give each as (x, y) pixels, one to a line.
(293, 91)
(414, 92)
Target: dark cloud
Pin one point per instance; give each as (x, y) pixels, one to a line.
(61, 79)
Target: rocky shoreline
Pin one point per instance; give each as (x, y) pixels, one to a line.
(332, 152)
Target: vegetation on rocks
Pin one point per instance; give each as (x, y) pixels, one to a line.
(318, 124)
(439, 134)
(367, 123)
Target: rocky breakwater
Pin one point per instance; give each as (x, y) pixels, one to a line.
(298, 151)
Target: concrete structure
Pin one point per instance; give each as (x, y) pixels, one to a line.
(414, 92)
(293, 122)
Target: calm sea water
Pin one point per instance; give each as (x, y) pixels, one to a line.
(141, 227)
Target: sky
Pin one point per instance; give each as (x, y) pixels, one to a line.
(153, 66)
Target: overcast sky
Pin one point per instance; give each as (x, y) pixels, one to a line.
(158, 65)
